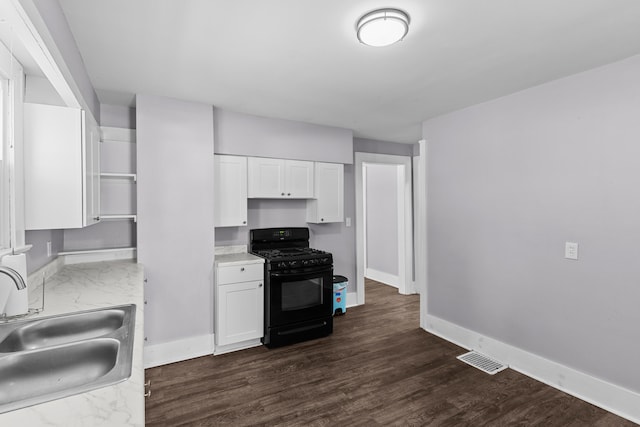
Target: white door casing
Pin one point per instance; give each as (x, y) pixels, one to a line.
(420, 234)
(404, 216)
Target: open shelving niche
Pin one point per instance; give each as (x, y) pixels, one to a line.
(118, 174)
(127, 178)
(118, 180)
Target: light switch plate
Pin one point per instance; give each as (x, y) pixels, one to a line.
(571, 250)
(348, 222)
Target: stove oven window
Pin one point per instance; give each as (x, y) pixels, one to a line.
(298, 295)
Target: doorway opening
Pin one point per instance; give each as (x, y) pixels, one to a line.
(384, 229)
(383, 205)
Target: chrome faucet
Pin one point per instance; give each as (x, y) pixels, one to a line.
(14, 299)
(15, 276)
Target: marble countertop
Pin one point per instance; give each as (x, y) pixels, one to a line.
(227, 260)
(83, 287)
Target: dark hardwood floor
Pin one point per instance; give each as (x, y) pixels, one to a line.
(377, 369)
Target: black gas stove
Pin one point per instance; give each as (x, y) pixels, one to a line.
(294, 258)
(298, 285)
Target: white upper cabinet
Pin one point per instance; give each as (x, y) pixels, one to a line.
(230, 191)
(299, 179)
(62, 168)
(280, 179)
(328, 206)
(266, 177)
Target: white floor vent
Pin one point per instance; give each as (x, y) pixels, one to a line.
(482, 362)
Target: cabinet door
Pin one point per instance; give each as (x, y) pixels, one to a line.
(230, 191)
(266, 178)
(53, 167)
(299, 179)
(240, 312)
(328, 206)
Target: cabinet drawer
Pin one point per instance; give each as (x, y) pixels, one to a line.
(240, 273)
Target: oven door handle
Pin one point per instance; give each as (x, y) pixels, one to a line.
(305, 273)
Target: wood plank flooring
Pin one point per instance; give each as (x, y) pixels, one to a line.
(378, 368)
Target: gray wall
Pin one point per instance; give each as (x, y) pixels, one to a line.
(382, 147)
(509, 182)
(117, 116)
(382, 218)
(247, 135)
(175, 216)
(107, 234)
(264, 213)
(37, 256)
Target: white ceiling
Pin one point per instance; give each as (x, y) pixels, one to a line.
(300, 60)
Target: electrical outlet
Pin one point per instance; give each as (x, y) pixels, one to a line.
(348, 222)
(48, 249)
(571, 250)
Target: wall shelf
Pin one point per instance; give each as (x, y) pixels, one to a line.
(114, 175)
(125, 216)
(118, 176)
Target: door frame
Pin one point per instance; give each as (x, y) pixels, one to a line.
(405, 267)
(421, 229)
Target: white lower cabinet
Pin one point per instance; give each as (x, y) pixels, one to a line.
(239, 319)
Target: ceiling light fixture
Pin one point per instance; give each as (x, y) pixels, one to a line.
(383, 27)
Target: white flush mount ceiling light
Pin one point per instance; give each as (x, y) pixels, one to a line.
(383, 27)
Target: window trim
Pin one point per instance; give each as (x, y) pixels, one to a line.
(12, 233)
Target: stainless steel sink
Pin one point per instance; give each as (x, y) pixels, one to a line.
(63, 329)
(53, 357)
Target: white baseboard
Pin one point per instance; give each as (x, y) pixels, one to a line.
(177, 351)
(382, 277)
(352, 299)
(613, 398)
(222, 349)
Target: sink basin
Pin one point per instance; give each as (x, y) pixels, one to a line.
(50, 358)
(49, 371)
(60, 330)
